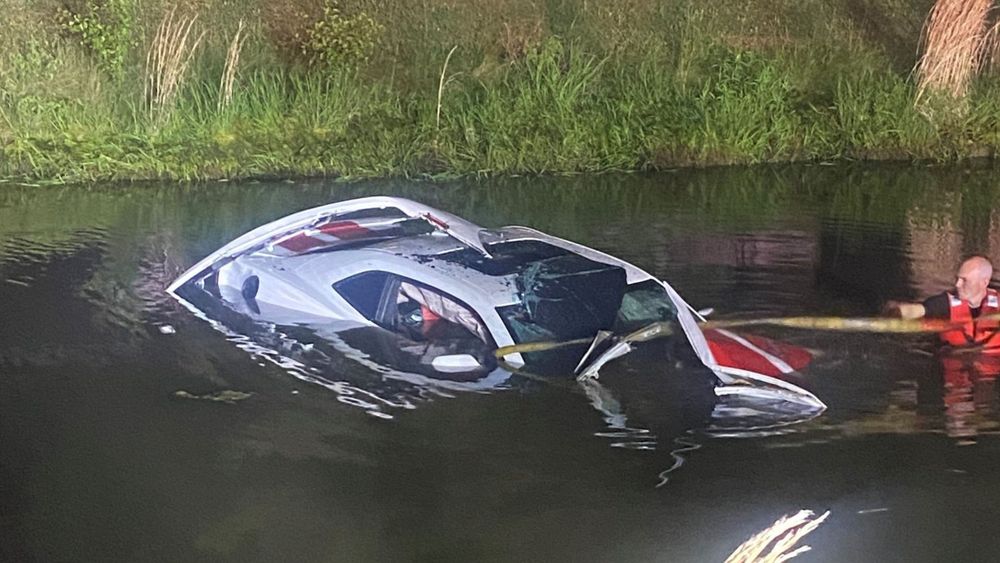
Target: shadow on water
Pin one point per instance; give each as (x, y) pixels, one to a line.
(102, 462)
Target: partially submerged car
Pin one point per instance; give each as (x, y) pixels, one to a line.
(458, 298)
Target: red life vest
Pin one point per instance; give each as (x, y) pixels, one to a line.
(984, 333)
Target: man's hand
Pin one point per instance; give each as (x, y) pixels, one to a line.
(903, 310)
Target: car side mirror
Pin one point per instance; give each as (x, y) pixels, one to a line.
(705, 312)
(452, 363)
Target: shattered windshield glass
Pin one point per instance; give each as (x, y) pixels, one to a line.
(641, 304)
(564, 295)
(572, 297)
(644, 303)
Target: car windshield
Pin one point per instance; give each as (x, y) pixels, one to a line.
(644, 303)
(564, 295)
(558, 305)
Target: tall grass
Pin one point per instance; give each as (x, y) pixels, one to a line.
(232, 64)
(954, 46)
(538, 117)
(872, 117)
(694, 84)
(167, 61)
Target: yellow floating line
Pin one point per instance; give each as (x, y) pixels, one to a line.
(835, 324)
(846, 324)
(841, 324)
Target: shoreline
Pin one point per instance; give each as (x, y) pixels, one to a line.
(974, 158)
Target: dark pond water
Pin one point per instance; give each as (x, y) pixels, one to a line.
(100, 461)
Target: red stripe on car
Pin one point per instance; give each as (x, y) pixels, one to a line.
(301, 243)
(344, 230)
(733, 354)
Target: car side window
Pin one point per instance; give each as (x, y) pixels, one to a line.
(423, 313)
(364, 292)
(410, 308)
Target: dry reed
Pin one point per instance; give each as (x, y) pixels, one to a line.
(441, 84)
(167, 60)
(517, 40)
(954, 47)
(991, 47)
(781, 537)
(229, 72)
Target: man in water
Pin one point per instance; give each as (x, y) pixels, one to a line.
(970, 359)
(971, 297)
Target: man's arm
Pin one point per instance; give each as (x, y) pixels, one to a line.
(934, 307)
(904, 310)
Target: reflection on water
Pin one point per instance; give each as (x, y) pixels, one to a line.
(618, 429)
(684, 445)
(967, 389)
(101, 462)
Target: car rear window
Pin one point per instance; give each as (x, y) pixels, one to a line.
(364, 292)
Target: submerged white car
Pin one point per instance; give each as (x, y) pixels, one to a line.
(436, 280)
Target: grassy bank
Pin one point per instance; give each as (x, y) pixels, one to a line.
(435, 87)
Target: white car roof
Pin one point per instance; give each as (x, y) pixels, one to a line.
(456, 227)
(417, 258)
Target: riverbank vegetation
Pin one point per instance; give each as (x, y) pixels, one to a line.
(190, 89)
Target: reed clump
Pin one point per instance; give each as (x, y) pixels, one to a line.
(167, 61)
(231, 65)
(955, 44)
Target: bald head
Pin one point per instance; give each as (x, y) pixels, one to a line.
(972, 279)
(980, 265)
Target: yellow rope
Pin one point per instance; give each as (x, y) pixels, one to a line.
(841, 324)
(838, 324)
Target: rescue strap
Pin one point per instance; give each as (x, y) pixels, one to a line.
(645, 333)
(837, 324)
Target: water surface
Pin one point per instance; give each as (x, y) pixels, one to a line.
(101, 461)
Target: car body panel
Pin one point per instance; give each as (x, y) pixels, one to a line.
(285, 271)
(461, 229)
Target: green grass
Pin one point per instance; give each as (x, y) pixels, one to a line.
(532, 88)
